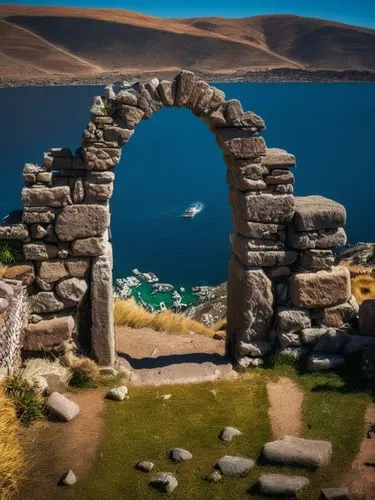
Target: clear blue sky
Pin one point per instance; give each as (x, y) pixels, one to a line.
(359, 12)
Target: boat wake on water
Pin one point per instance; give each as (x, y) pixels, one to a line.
(192, 210)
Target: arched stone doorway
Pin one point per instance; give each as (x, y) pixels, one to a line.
(67, 216)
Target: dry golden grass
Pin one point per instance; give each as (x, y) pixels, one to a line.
(11, 454)
(363, 287)
(129, 313)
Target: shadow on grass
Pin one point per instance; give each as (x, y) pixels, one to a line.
(174, 359)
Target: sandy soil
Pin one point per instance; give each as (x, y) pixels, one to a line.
(360, 479)
(285, 399)
(53, 448)
(162, 358)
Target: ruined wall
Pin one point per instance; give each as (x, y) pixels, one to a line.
(281, 276)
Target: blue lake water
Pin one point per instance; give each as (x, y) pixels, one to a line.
(173, 160)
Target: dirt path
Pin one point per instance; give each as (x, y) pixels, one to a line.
(285, 399)
(54, 448)
(163, 358)
(360, 479)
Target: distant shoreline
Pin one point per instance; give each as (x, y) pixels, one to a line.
(282, 75)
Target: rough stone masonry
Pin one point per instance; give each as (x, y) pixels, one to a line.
(282, 288)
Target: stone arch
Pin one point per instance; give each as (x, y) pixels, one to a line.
(66, 218)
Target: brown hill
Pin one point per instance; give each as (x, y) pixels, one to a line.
(52, 42)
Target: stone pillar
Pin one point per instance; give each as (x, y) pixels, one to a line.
(102, 328)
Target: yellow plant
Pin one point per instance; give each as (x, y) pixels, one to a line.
(11, 454)
(363, 287)
(128, 312)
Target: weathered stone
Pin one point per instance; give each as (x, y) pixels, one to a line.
(102, 332)
(243, 183)
(101, 158)
(324, 362)
(320, 289)
(77, 268)
(6, 291)
(292, 353)
(24, 273)
(89, 247)
(335, 494)
(71, 290)
(118, 393)
(264, 258)
(202, 103)
(82, 221)
(37, 231)
(78, 191)
(167, 92)
(69, 478)
(184, 87)
(46, 196)
(214, 477)
(245, 362)
(340, 315)
(218, 97)
(51, 271)
(180, 455)
(199, 90)
(61, 407)
(45, 302)
(367, 318)
(39, 251)
(98, 107)
(4, 304)
(240, 143)
(316, 260)
(328, 238)
(45, 178)
(291, 450)
(234, 466)
(37, 215)
(317, 212)
(13, 232)
(233, 112)
(43, 285)
(145, 466)
(131, 116)
(164, 481)
(260, 207)
(293, 319)
(279, 177)
(126, 97)
(117, 134)
(312, 335)
(280, 485)
(228, 433)
(100, 177)
(98, 192)
(256, 348)
(287, 339)
(242, 245)
(250, 299)
(332, 342)
(49, 334)
(252, 229)
(278, 158)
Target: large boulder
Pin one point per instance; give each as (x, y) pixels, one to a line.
(367, 318)
(280, 485)
(297, 451)
(320, 289)
(317, 212)
(82, 221)
(48, 334)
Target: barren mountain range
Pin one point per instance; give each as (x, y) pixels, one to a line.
(55, 44)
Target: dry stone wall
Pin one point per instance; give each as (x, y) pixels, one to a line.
(281, 276)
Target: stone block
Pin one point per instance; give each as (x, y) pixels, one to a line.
(52, 270)
(279, 177)
(71, 290)
(293, 319)
(39, 251)
(77, 268)
(340, 315)
(262, 207)
(81, 221)
(131, 115)
(46, 196)
(320, 289)
(255, 349)
(13, 232)
(259, 230)
(127, 97)
(367, 318)
(45, 302)
(312, 335)
(316, 260)
(278, 158)
(240, 143)
(49, 334)
(61, 407)
(89, 247)
(317, 212)
(324, 362)
(167, 92)
(288, 339)
(21, 272)
(185, 82)
(102, 330)
(98, 192)
(266, 258)
(37, 215)
(250, 303)
(235, 466)
(199, 90)
(280, 485)
(233, 112)
(117, 134)
(243, 183)
(296, 451)
(323, 239)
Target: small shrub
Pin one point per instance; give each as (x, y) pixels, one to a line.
(28, 402)
(84, 373)
(8, 255)
(12, 462)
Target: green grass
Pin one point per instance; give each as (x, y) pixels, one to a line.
(28, 403)
(9, 254)
(144, 428)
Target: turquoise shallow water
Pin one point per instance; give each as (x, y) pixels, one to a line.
(173, 160)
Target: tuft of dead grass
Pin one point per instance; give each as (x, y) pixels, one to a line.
(84, 372)
(12, 461)
(129, 313)
(363, 287)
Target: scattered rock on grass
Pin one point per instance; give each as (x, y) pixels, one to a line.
(228, 433)
(180, 455)
(145, 466)
(297, 451)
(234, 466)
(281, 485)
(61, 407)
(118, 393)
(164, 481)
(335, 494)
(214, 477)
(69, 478)
(323, 362)
(108, 371)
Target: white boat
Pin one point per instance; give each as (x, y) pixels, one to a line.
(193, 210)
